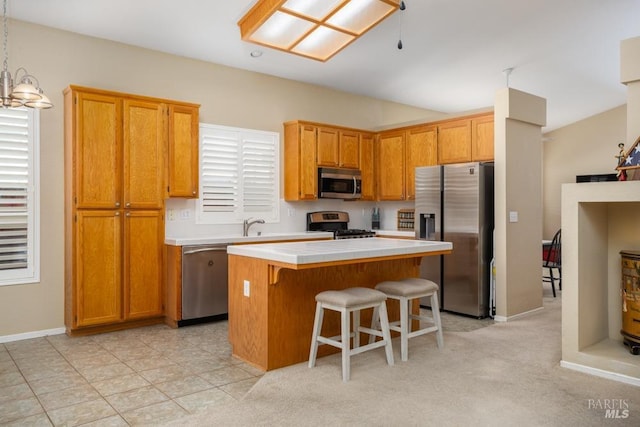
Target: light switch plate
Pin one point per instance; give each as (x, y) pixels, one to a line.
(513, 216)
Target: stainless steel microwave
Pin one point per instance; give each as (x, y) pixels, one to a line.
(339, 183)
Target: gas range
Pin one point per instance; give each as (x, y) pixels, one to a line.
(337, 222)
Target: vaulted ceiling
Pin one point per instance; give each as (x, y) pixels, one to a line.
(453, 57)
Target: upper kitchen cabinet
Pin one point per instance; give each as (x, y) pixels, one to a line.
(338, 148)
(482, 138)
(143, 154)
(421, 150)
(183, 139)
(309, 145)
(349, 153)
(390, 159)
(118, 151)
(96, 120)
(454, 142)
(300, 164)
(328, 143)
(367, 166)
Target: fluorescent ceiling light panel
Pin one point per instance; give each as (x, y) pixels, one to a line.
(316, 29)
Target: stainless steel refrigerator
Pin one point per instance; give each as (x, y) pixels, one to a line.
(454, 203)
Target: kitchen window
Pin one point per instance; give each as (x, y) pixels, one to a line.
(19, 196)
(239, 171)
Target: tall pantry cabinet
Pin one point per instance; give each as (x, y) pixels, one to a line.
(115, 150)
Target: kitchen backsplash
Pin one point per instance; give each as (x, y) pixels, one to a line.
(181, 217)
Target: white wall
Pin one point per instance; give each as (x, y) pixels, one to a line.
(585, 147)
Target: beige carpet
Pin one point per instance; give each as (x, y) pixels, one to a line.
(504, 374)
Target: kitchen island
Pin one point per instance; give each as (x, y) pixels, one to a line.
(272, 290)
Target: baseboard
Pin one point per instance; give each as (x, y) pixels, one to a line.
(601, 373)
(517, 316)
(29, 335)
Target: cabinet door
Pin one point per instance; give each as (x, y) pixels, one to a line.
(143, 261)
(183, 151)
(349, 150)
(98, 287)
(143, 154)
(328, 147)
(308, 169)
(482, 139)
(391, 166)
(454, 142)
(367, 166)
(98, 151)
(422, 150)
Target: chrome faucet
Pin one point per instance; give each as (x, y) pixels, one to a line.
(247, 224)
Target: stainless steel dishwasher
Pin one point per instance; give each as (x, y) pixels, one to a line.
(204, 282)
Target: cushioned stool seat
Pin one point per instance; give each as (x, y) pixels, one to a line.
(348, 301)
(405, 291)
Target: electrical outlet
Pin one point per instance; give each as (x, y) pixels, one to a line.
(247, 288)
(171, 214)
(185, 213)
(291, 212)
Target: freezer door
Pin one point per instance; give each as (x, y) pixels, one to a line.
(464, 291)
(428, 216)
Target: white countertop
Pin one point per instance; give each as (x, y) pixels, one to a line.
(337, 250)
(265, 237)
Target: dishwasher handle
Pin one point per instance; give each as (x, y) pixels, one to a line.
(195, 251)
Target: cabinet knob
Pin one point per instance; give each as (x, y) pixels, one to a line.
(128, 204)
(117, 204)
(194, 192)
(117, 213)
(128, 214)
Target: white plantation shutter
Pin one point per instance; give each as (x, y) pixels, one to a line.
(219, 181)
(18, 207)
(239, 175)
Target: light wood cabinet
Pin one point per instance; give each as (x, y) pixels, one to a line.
(482, 138)
(349, 149)
(421, 150)
(143, 264)
(119, 259)
(390, 159)
(327, 146)
(367, 166)
(454, 142)
(183, 140)
(309, 145)
(98, 259)
(115, 151)
(300, 164)
(338, 148)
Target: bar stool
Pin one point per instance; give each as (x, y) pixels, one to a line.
(405, 291)
(348, 301)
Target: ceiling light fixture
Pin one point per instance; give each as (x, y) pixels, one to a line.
(26, 93)
(313, 29)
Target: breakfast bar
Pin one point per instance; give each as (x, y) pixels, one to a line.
(272, 289)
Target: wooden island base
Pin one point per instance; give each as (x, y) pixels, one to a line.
(272, 327)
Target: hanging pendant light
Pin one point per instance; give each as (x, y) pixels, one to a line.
(402, 7)
(28, 92)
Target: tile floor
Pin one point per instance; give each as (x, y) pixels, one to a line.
(145, 376)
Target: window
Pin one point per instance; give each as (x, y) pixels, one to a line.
(19, 196)
(239, 171)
